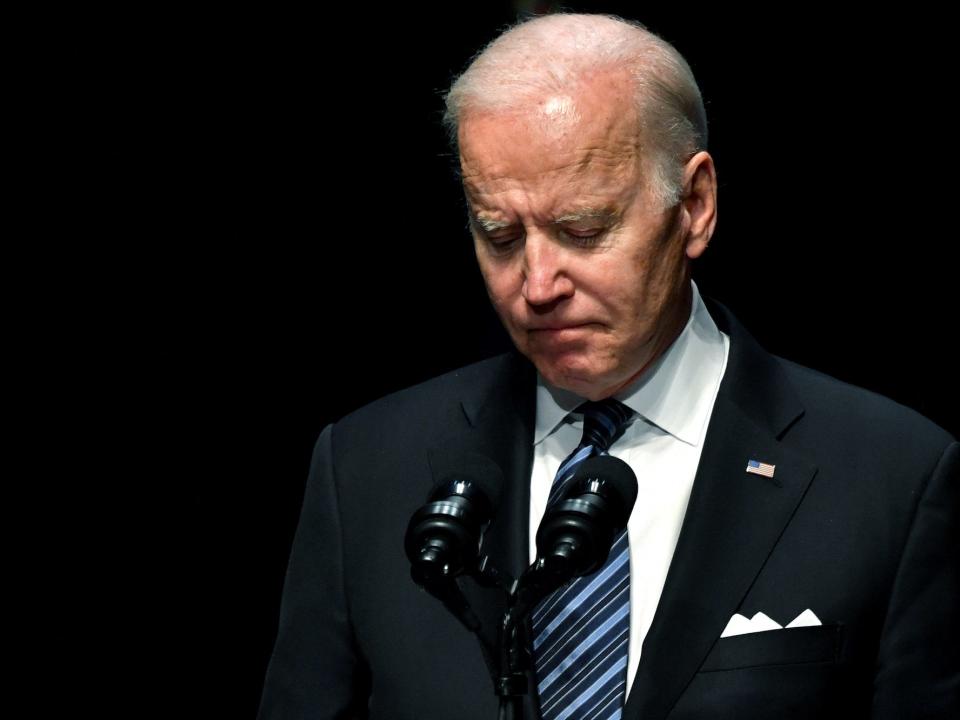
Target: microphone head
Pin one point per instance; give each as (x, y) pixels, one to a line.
(482, 472)
(443, 537)
(610, 477)
(577, 531)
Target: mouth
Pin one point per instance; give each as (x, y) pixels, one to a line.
(570, 330)
(556, 327)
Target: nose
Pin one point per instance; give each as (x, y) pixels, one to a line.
(545, 278)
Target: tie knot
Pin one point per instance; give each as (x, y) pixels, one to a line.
(603, 421)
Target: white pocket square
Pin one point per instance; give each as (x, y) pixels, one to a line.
(740, 625)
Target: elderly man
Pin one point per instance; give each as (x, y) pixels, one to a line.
(792, 551)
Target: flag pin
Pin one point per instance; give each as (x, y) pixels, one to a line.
(760, 468)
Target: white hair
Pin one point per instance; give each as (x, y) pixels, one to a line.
(553, 54)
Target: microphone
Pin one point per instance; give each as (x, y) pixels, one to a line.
(574, 538)
(443, 537)
(577, 530)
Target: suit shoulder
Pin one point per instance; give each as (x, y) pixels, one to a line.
(433, 398)
(850, 411)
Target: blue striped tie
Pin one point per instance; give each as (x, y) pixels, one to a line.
(580, 632)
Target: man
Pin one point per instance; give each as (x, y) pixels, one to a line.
(768, 495)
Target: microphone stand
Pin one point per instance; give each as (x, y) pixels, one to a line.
(574, 537)
(509, 661)
(512, 658)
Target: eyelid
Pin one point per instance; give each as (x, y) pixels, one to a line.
(585, 237)
(502, 235)
(503, 243)
(504, 238)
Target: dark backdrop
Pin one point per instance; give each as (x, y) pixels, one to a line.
(318, 256)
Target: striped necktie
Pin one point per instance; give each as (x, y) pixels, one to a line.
(580, 632)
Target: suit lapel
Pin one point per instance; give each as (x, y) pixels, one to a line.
(501, 419)
(732, 522)
(496, 420)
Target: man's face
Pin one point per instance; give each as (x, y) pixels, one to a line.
(586, 271)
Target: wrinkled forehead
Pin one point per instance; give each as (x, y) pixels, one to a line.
(559, 143)
(594, 123)
(600, 107)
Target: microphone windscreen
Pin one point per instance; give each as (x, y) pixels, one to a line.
(613, 471)
(480, 470)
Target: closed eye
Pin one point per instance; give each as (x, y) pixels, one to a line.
(584, 237)
(503, 242)
(499, 242)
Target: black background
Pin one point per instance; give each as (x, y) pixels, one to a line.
(314, 255)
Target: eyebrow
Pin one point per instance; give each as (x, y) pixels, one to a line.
(490, 225)
(605, 216)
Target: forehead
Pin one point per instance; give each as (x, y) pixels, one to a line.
(579, 149)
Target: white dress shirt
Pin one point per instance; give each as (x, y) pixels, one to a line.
(673, 401)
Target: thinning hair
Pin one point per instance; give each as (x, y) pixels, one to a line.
(556, 53)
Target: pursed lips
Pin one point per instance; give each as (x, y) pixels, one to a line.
(549, 329)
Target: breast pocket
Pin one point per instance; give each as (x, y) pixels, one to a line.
(790, 646)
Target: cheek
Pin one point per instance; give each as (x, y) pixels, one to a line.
(498, 291)
(501, 297)
(620, 288)
(501, 283)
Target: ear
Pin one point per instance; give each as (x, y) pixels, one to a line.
(699, 203)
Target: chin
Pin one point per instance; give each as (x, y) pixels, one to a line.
(575, 377)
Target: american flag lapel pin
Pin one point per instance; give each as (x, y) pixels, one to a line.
(759, 468)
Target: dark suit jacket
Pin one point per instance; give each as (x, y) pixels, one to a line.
(859, 524)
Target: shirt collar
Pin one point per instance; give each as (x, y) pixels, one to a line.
(676, 393)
